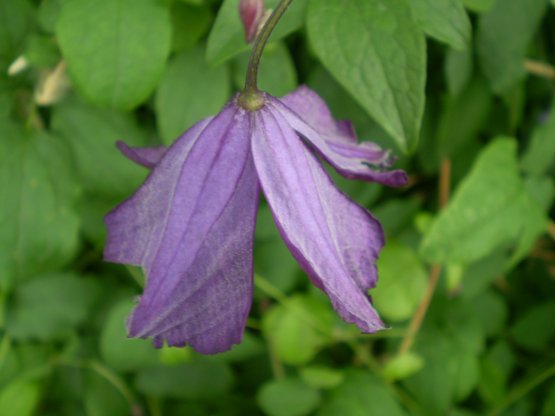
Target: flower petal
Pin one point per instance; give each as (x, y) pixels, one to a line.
(335, 241)
(336, 141)
(138, 223)
(315, 112)
(193, 223)
(144, 156)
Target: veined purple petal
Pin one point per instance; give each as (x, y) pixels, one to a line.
(191, 227)
(335, 241)
(144, 156)
(315, 112)
(135, 227)
(335, 141)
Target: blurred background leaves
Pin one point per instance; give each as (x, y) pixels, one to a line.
(461, 90)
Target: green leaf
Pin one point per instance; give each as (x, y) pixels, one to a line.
(462, 412)
(542, 191)
(189, 91)
(10, 365)
(173, 356)
(362, 394)
(189, 23)
(549, 404)
(461, 323)
(92, 134)
(458, 70)
(478, 276)
(116, 50)
(463, 118)
(490, 207)
(273, 261)
(377, 52)
(449, 375)
(444, 20)
(534, 330)
(92, 208)
(119, 351)
(196, 380)
(15, 24)
(38, 192)
(402, 283)
(227, 38)
(277, 74)
(496, 368)
(344, 106)
(514, 21)
(102, 398)
(479, 6)
(322, 377)
(396, 215)
(41, 52)
(249, 347)
(491, 305)
(539, 157)
(20, 398)
(50, 306)
(298, 329)
(288, 397)
(403, 366)
(48, 14)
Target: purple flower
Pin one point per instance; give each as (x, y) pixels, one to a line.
(191, 224)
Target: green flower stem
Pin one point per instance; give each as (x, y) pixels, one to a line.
(523, 389)
(250, 98)
(277, 366)
(260, 43)
(110, 376)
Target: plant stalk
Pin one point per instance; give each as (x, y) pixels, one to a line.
(259, 44)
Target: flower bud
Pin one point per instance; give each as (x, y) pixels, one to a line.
(251, 12)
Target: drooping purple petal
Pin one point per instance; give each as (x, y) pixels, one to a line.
(144, 156)
(134, 228)
(336, 141)
(315, 112)
(335, 241)
(190, 226)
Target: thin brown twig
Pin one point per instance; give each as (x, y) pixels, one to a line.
(551, 229)
(435, 271)
(420, 314)
(540, 69)
(543, 255)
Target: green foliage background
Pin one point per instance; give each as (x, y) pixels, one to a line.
(462, 90)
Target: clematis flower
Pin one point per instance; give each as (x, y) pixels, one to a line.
(191, 225)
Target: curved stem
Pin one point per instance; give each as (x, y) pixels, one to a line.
(435, 272)
(523, 389)
(110, 376)
(260, 42)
